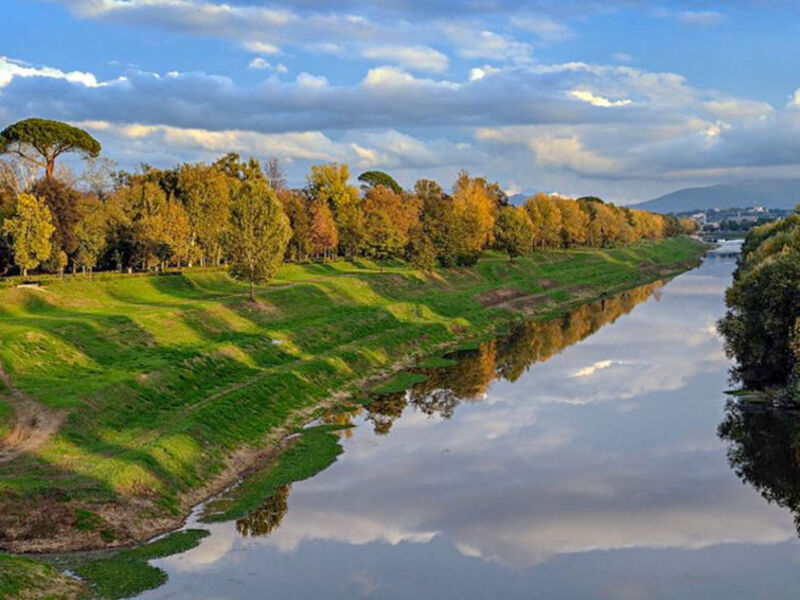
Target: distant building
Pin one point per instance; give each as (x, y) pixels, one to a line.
(743, 219)
(700, 218)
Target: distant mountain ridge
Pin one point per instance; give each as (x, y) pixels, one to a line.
(769, 193)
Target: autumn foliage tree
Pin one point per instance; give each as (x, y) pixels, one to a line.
(205, 192)
(323, 237)
(296, 206)
(330, 183)
(30, 229)
(401, 212)
(476, 206)
(63, 202)
(546, 218)
(155, 218)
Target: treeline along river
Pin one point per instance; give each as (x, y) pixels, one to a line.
(593, 456)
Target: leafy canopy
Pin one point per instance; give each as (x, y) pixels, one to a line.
(371, 179)
(258, 234)
(30, 229)
(48, 140)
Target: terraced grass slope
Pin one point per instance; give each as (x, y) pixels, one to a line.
(170, 386)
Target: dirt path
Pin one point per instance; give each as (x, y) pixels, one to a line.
(35, 423)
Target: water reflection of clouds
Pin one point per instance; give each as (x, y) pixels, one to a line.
(596, 472)
(699, 285)
(598, 366)
(349, 528)
(524, 480)
(211, 549)
(566, 504)
(671, 353)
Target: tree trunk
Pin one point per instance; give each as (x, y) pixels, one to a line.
(24, 272)
(252, 292)
(49, 167)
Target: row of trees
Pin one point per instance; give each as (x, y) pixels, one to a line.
(238, 212)
(762, 325)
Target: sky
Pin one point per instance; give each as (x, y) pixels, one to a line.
(621, 99)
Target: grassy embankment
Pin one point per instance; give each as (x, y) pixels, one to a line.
(25, 578)
(173, 385)
(106, 575)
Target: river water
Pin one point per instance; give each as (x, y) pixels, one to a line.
(574, 459)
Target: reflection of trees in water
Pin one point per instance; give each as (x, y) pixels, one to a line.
(267, 517)
(507, 358)
(342, 418)
(764, 450)
(385, 410)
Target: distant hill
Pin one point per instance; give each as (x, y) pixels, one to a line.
(769, 193)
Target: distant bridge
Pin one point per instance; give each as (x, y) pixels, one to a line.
(727, 248)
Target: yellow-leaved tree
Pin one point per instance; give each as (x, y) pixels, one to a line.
(330, 183)
(477, 207)
(30, 229)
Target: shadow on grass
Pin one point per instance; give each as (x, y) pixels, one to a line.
(173, 408)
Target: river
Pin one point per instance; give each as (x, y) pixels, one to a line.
(575, 459)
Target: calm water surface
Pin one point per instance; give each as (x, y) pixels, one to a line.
(575, 459)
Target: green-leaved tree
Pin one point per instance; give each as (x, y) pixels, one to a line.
(258, 234)
(514, 231)
(91, 234)
(41, 141)
(371, 179)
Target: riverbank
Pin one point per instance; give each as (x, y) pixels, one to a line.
(165, 389)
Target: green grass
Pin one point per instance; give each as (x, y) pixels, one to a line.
(399, 383)
(314, 450)
(164, 377)
(437, 362)
(22, 578)
(126, 573)
(6, 416)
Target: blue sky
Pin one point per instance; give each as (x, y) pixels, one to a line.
(621, 99)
